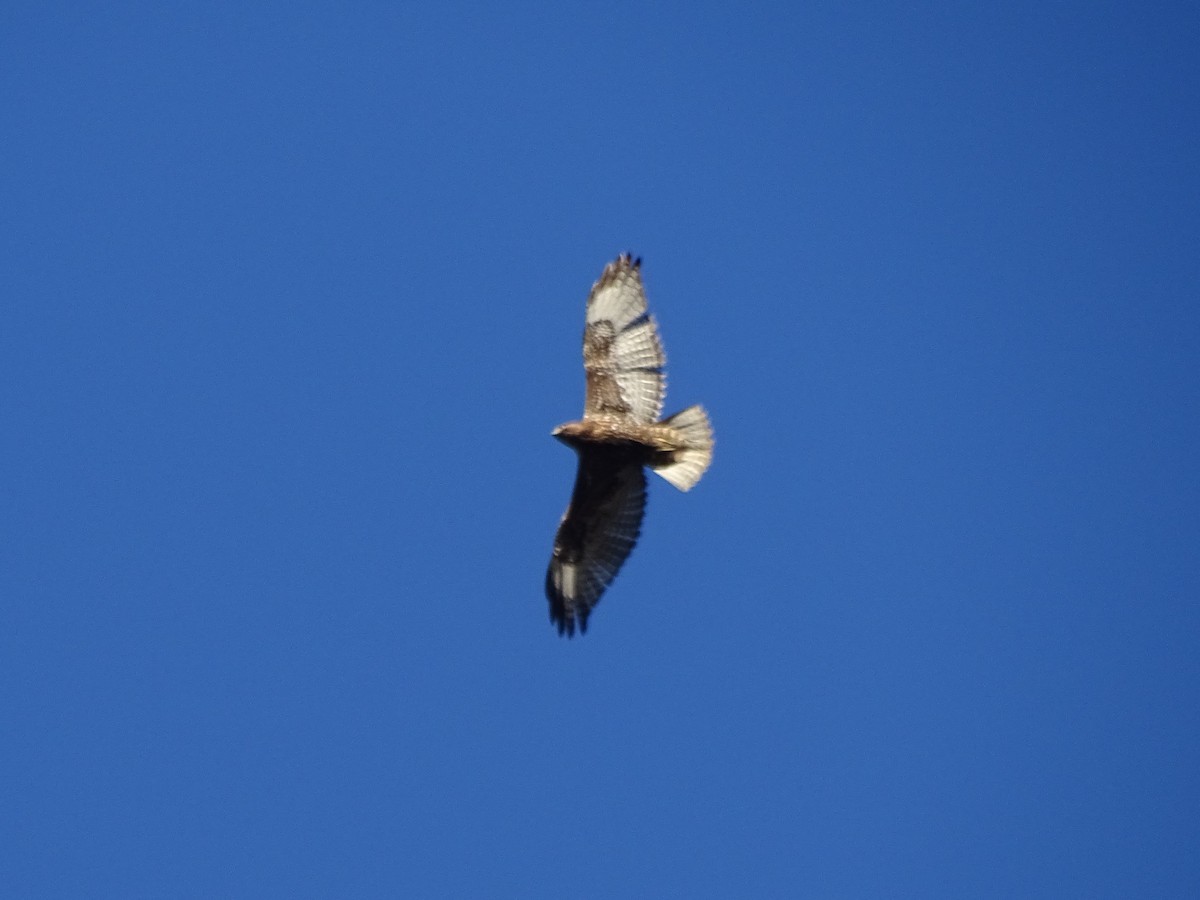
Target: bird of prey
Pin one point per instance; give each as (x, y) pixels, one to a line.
(619, 433)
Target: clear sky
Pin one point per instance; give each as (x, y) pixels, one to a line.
(292, 298)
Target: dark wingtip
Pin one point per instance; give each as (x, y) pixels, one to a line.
(624, 263)
(562, 618)
(628, 260)
(562, 621)
(565, 622)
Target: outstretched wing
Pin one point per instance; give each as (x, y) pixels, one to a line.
(596, 535)
(622, 354)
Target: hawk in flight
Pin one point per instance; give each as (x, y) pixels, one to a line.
(619, 434)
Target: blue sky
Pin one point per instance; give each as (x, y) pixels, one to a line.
(293, 297)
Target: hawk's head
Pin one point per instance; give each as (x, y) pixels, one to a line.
(570, 433)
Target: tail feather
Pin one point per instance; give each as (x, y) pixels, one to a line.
(687, 464)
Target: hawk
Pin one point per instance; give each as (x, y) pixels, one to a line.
(619, 434)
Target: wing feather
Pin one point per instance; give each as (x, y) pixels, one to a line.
(596, 535)
(622, 353)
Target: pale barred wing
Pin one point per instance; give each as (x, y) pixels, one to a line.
(596, 535)
(622, 354)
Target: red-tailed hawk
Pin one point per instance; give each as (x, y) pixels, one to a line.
(618, 435)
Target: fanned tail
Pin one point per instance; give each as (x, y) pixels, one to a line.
(685, 466)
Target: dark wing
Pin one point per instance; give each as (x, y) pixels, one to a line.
(596, 535)
(622, 354)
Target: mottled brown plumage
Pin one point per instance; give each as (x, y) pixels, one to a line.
(618, 435)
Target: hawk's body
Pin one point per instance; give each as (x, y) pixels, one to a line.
(618, 435)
